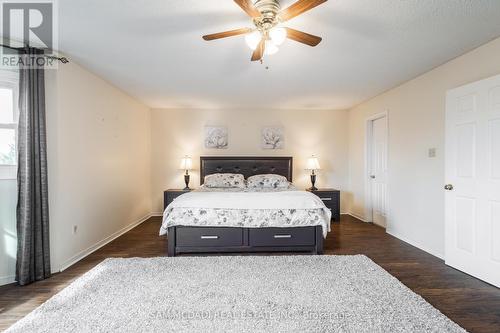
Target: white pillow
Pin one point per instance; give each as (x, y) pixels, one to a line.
(225, 180)
(268, 181)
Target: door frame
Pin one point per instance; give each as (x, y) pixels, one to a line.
(368, 150)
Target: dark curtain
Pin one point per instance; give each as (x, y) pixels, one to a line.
(33, 250)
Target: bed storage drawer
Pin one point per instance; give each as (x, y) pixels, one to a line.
(209, 236)
(302, 236)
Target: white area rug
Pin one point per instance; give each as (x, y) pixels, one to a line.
(237, 294)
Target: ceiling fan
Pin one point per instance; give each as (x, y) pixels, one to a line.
(269, 33)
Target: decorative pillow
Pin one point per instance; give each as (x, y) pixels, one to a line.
(225, 180)
(268, 181)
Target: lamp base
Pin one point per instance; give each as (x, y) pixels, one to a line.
(313, 181)
(186, 180)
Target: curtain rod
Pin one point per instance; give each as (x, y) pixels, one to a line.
(64, 60)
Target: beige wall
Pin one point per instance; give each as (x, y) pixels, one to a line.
(416, 123)
(99, 162)
(175, 133)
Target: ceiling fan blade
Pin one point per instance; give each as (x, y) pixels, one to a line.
(303, 37)
(248, 7)
(259, 51)
(298, 8)
(230, 33)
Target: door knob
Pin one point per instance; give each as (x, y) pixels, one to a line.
(372, 177)
(448, 187)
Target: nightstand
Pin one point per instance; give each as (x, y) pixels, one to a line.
(170, 194)
(331, 198)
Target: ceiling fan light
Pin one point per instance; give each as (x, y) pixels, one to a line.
(271, 48)
(278, 35)
(253, 39)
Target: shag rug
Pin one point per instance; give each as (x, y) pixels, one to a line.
(237, 294)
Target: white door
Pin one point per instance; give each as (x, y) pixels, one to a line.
(473, 179)
(377, 134)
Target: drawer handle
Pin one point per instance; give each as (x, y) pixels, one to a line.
(282, 236)
(326, 199)
(209, 237)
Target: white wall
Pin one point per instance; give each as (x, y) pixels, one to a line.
(176, 133)
(416, 123)
(98, 159)
(8, 245)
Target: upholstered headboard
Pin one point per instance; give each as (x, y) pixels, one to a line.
(248, 166)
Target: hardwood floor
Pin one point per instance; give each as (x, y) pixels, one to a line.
(469, 302)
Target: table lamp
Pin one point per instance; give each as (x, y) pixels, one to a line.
(313, 165)
(186, 165)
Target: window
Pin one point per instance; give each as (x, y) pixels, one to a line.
(8, 123)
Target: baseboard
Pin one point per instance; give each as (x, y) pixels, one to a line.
(7, 279)
(359, 217)
(82, 254)
(415, 244)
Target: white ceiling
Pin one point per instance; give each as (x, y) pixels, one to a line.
(154, 51)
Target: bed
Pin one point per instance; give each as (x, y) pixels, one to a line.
(298, 223)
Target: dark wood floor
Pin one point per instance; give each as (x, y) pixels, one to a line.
(471, 303)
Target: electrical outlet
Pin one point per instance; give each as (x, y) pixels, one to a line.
(75, 229)
(432, 152)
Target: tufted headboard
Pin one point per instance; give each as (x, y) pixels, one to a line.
(248, 166)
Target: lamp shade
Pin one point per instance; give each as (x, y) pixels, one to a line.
(186, 163)
(313, 164)
(278, 35)
(253, 39)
